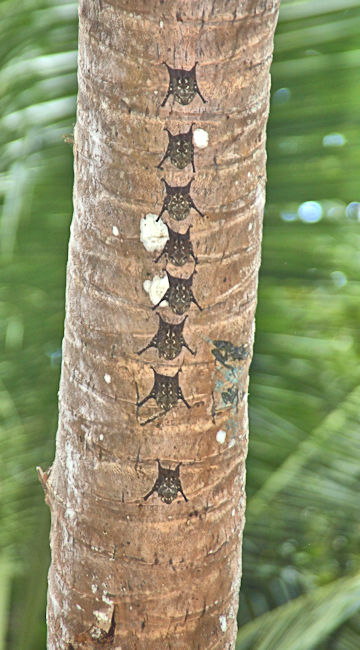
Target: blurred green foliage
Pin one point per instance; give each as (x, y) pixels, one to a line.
(38, 43)
(301, 583)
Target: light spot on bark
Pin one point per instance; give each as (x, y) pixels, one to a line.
(223, 623)
(107, 600)
(231, 443)
(102, 617)
(156, 288)
(161, 24)
(250, 226)
(101, 436)
(156, 92)
(201, 138)
(221, 436)
(94, 589)
(115, 231)
(153, 234)
(70, 513)
(107, 378)
(233, 512)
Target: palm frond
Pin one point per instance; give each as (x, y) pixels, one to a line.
(305, 622)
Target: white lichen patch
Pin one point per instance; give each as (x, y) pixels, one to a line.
(101, 436)
(223, 623)
(153, 234)
(102, 617)
(107, 378)
(94, 588)
(156, 288)
(115, 231)
(231, 443)
(221, 436)
(200, 138)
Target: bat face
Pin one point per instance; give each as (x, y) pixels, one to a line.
(169, 488)
(167, 484)
(178, 206)
(182, 85)
(166, 391)
(180, 297)
(181, 150)
(180, 248)
(170, 341)
(178, 201)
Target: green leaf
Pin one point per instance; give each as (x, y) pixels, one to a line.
(304, 622)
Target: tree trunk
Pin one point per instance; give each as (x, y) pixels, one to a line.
(161, 571)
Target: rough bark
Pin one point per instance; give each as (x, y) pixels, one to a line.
(128, 572)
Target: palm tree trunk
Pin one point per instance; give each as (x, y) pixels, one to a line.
(161, 571)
